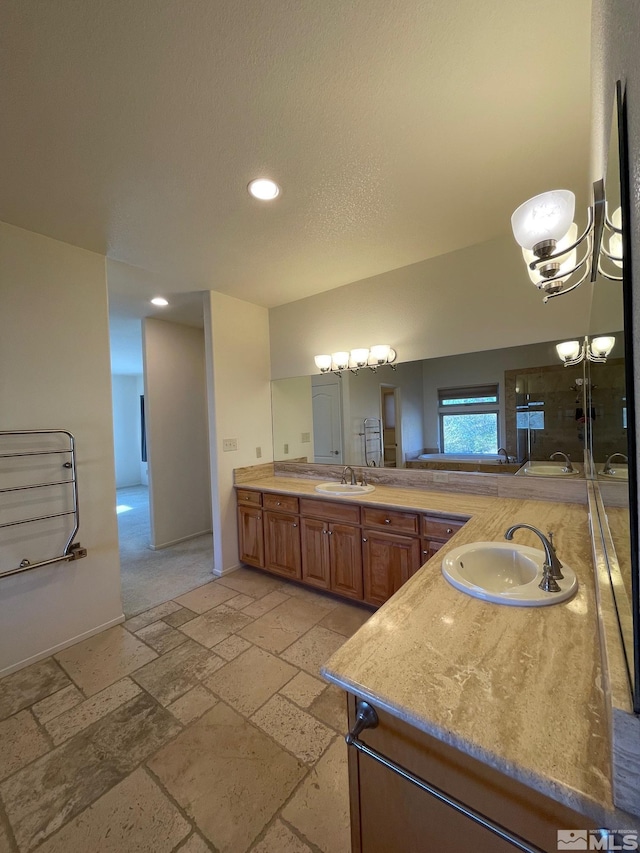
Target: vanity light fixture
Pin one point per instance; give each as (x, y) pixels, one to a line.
(160, 301)
(544, 228)
(573, 352)
(361, 357)
(264, 189)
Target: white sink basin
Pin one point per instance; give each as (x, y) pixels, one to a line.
(620, 472)
(547, 469)
(505, 573)
(342, 489)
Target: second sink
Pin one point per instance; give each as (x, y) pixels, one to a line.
(505, 573)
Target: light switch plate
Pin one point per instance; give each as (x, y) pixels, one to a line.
(306, 438)
(258, 452)
(229, 444)
(286, 448)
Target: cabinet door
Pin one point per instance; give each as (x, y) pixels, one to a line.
(346, 560)
(250, 535)
(282, 544)
(389, 560)
(315, 552)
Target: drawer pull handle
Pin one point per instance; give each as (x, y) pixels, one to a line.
(387, 521)
(366, 718)
(278, 503)
(449, 530)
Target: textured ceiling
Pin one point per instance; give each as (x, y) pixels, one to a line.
(398, 129)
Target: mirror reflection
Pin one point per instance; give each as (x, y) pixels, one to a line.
(489, 412)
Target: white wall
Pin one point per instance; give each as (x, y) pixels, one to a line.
(126, 430)
(292, 412)
(475, 299)
(177, 431)
(237, 339)
(55, 373)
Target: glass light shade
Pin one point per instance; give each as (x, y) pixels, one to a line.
(568, 350)
(602, 346)
(360, 356)
(323, 362)
(380, 353)
(566, 264)
(340, 359)
(547, 216)
(615, 240)
(264, 189)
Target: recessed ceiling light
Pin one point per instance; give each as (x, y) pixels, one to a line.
(264, 189)
(159, 300)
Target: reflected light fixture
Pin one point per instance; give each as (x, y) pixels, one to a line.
(361, 357)
(160, 301)
(543, 227)
(611, 247)
(264, 189)
(573, 352)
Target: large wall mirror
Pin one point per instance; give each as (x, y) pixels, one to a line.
(610, 388)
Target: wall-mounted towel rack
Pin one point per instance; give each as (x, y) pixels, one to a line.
(30, 450)
(373, 452)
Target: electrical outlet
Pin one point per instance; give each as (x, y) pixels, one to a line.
(258, 452)
(440, 477)
(229, 444)
(286, 448)
(306, 438)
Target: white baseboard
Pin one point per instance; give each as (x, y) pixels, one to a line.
(227, 571)
(60, 646)
(177, 541)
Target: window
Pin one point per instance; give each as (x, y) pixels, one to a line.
(469, 419)
(530, 417)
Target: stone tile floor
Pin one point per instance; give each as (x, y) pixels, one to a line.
(201, 724)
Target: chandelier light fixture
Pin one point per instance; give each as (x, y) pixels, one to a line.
(361, 357)
(544, 228)
(596, 350)
(611, 247)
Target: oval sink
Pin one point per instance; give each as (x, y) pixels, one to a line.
(547, 469)
(342, 489)
(504, 573)
(620, 472)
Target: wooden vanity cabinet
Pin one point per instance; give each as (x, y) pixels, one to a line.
(282, 553)
(389, 560)
(436, 530)
(250, 528)
(331, 549)
(389, 813)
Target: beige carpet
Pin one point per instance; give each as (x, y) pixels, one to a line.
(150, 577)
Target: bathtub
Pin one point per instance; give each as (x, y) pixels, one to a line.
(488, 458)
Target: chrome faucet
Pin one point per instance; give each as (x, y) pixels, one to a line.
(506, 455)
(552, 568)
(351, 472)
(607, 469)
(567, 461)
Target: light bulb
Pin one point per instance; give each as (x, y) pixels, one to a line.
(340, 359)
(264, 189)
(568, 350)
(160, 301)
(360, 356)
(545, 217)
(380, 353)
(323, 362)
(566, 264)
(602, 346)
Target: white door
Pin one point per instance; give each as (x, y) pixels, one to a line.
(327, 432)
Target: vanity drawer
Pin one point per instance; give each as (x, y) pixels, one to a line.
(283, 503)
(330, 511)
(391, 519)
(247, 497)
(440, 526)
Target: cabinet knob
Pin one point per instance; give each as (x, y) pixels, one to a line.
(449, 530)
(364, 540)
(278, 503)
(294, 524)
(425, 552)
(259, 517)
(330, 532)
(387, 521)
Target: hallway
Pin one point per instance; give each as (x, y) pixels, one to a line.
(151, 577)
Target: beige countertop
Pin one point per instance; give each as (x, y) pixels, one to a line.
(519, 688)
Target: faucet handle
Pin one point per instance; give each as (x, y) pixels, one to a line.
(548, 582)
